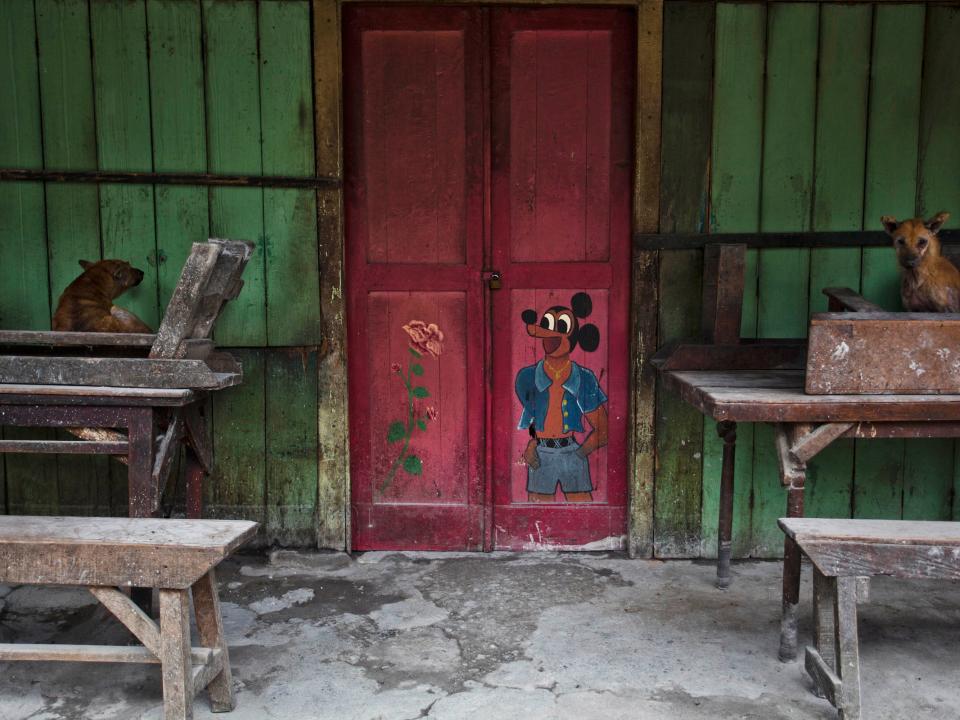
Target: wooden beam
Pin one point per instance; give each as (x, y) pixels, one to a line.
(645, 291)
(133, 618)
(692, 241)
(842, 298)
(70, 447)
(117, 177)
(824, 679)
(13, 652)
(723, 278)
(806, 446)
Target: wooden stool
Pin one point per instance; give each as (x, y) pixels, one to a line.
(177, 557)
(845, 554)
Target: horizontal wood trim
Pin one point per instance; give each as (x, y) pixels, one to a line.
(11, 652)
(693, 241)
(159, 178)
(73, 447)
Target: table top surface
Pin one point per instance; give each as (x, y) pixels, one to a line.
(221, 536)
(778, 396)
(887, 532)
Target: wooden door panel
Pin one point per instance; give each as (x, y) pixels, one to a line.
(414, 200)
(562, 107)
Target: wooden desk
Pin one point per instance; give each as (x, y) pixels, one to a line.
(103, 554)
(141, 412)
(804, 425)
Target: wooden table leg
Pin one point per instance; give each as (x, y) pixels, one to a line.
(847, 643)
(728, 433)
(206, 604)
(143, 498)
(175, 655)
(791, 574)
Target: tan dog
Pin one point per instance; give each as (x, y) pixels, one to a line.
(87, 303)
(928, 282)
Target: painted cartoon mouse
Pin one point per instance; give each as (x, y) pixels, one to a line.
(556, 393)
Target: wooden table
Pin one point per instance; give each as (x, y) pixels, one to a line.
(177, 557)
(141, 412)
(804, 425)
(845, 554)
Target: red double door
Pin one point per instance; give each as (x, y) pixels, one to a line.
(488, 183)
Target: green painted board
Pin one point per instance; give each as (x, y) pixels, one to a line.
(841, 143)
(735, 174)
(291, 445)
(121, 89)
(290, 216)
(24, 286)
(787, 198)
(236, 488)
(890, 189)
(233, 146)
(928, 464)
(841, 140)
(893, 122)
(69, 137)
(179, 132)
(32, 487)
(687, 89)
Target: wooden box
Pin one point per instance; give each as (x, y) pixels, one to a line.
(883, 353)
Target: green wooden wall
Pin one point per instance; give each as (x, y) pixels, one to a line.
(171, 86)
(797, 117)
(778, 116)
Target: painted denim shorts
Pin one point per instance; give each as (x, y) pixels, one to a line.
(559, 465)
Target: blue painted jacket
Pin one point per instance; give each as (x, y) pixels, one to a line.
(582, 395)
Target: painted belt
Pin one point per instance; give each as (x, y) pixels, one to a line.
(556, 442)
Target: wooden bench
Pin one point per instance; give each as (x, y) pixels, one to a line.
(177, 557)
(845, 554)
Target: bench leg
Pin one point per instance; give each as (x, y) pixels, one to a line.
(175, 655)
(847, 645)
(206, 603)
(791, 576)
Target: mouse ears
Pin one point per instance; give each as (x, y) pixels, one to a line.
(588, 337)
(581, 304)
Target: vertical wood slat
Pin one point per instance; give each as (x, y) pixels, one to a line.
(122, 101)
(891, 188)
(786, 200)
(233, 146)
(928, 464)
(179, 133)
(291, 445)
(687, 79)
(333, 528)
(735, 207)
(290, 216)
(644, 297)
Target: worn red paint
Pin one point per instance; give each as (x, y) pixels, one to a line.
(447, 176)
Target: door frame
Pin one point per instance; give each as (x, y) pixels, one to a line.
(333, 520)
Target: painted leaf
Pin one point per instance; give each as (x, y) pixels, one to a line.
(421, 392)
(412, 464)
(414, 352)
(416, 369)
(396, 432)
(421, 424)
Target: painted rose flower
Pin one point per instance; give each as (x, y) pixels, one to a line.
(395, 367)
(425, 338)
(432, 413)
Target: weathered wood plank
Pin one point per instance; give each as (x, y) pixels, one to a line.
(175, 655)
(179, 133)
(62, 446)
(291, 445)
(24, 291)
(825, 681)
(233, 146)
(290, 216)
(129, 372)
(122, 101)
(723, 272)
(735, 171)
(13, 652)
(69, 136)
(237, 486)
(134, 619)
(687, 80)
(183, 308)
(846, 299)
(219, 683)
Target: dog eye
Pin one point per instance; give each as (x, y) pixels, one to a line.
(546, 322)
(901, 241)
(564, 323)
(922, 242)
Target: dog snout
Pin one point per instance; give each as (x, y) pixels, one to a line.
(910, 262)
(137, 276)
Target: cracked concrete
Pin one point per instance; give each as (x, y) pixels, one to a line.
(398, 636)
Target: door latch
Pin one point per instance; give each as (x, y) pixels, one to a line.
(494, 281)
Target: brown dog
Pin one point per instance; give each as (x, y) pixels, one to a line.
(87, 303)
(929, 282)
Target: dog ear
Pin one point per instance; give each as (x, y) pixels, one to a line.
(889, 223)
(589, 337)
(581, 304)
(528, 316)
(86, 264)
(936, 222)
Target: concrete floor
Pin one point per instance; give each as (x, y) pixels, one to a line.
(456, 637)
